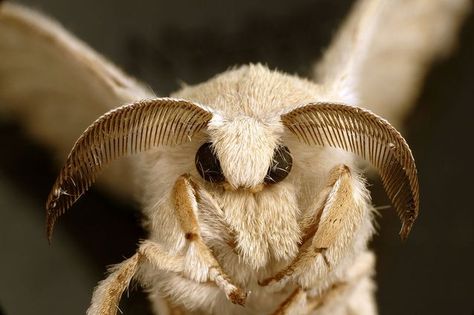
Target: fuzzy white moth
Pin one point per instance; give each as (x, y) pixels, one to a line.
(249, 181)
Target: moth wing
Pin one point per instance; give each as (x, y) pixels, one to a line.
(56, 85)
(384, 49)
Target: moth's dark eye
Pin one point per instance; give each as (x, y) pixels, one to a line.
(208, 165)
(281, 165)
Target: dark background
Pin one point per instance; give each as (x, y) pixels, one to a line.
(165, 42)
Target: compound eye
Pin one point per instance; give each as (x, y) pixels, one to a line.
(281, 165)
(208, 165)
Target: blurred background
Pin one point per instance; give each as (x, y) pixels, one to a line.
(164, 43)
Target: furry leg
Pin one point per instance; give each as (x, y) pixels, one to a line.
(198, 263)
(332, 228)
(201, 264)
(355, 287)
(357, 280)
(106, 297)
(294, 304)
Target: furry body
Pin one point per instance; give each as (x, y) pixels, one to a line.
(263, 248)
(254, 235)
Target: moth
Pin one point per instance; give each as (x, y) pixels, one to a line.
(250, 183)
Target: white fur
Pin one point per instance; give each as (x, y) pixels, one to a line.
(267, 225)
(246, 103)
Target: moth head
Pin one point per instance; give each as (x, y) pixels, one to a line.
(248, 152)
(242, 152)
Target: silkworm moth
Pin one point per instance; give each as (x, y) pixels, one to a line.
(249, 182)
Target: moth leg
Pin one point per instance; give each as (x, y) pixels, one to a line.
(106, 296)
(299, 302)
(355, 280)
(294, 304)
(332, 228)
(334, 292)
(308, 301)
(201, 264)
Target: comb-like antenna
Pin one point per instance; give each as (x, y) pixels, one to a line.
(363, 133)
(123, 131)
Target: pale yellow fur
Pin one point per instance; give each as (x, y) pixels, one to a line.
(246, 102)
(267, 225)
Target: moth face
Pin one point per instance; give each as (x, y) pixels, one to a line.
(245, 114)
(244, 153)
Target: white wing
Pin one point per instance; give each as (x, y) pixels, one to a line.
(56, 86)
(384, 49)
